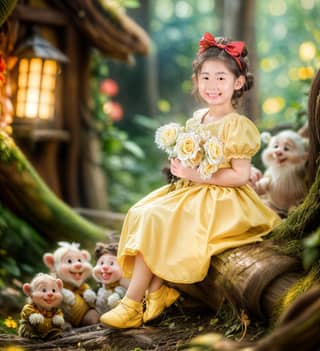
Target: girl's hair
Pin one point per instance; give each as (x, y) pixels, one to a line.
(215, 53)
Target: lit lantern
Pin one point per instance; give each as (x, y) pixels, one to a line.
(37, 72)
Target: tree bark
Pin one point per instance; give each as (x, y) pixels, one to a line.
(239, 24)
(242, 275)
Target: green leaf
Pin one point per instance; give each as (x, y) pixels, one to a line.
(313, 240)
(133, 4)
(11, 267)
(134, 149)
(310, 256)
(146, 122)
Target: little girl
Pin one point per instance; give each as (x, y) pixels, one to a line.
(171, 234)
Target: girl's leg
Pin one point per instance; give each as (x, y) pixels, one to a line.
(129, 312)
(155, 284)
(140, 280)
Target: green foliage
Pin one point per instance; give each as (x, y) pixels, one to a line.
(311, 252)
(284, 78)
(287, 42)
(6, 7)
(21, 248)
(8, 326)
(122, 158)
(130, 3)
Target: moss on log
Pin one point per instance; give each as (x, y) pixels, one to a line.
(26, 194)
(303, 220)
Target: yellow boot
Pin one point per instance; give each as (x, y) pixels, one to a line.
(128, 314)
(158, 300)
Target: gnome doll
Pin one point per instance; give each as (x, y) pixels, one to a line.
(108, 272)
(73, 267)
(42, 318)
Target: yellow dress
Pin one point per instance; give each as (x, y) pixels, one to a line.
(177, 231)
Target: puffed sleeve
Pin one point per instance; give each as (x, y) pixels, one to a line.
(241, 138)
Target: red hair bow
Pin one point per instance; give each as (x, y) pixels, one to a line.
(234, 48)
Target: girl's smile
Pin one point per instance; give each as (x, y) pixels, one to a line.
(216, 85)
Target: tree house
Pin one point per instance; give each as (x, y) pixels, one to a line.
(47, 45)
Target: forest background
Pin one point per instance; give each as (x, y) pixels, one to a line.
(131, 101)
(157, 89)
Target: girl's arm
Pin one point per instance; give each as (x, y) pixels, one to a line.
(237, 175)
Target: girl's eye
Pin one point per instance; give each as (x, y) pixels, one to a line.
(69, 261)
(220, 78)
(286, 148)
(275, 146)
(111, 263)
(101, 263)
(53, 290)
(79, 260)
(44, 290)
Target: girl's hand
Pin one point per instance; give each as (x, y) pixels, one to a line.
(237, 175)
(181, 171)
(255, 176)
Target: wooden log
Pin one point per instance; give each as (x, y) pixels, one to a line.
(242, 276)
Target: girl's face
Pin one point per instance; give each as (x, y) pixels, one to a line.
(216, 84)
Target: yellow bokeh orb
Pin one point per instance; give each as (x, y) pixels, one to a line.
(293, 73)
(273, 105)
(277, 7)
(164, 106)
(307, 51)
(268, 64)
(306, 73)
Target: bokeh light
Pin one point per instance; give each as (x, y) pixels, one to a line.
(277, 7)
(268, 64)
(164, 9)
(293, 73)
(307, 51)
(306, 73)
(273, 105)
(307, 4)
(183, 9)
(164, 106)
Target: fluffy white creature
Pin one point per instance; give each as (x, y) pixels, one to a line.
(283, 184)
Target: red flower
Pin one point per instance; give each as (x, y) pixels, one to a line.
(109, 87)
(114, 110)
(2, 69)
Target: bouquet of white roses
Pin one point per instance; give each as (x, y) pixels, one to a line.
(195, 148)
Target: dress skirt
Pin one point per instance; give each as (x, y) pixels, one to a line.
(178, 230)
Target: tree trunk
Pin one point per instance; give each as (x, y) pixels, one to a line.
(25, 193)
(239, 24)
(314, 128)
(242, 275)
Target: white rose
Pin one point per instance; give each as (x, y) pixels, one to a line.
(214, 151)
(166, 135)
(187, 146)
(207, 169)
